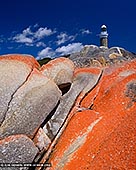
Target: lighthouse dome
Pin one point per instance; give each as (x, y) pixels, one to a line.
(103, 28)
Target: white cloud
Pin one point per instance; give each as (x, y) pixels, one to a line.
(70, 48)
(64, 50)
(22, 38)
(63, 37)
(27, 32)
(38, 36)
(42, 32)
(40, 44)
(85, 31)
(47, 52)
(25, 37)
(30, 38)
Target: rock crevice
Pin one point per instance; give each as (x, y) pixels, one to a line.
(70, 110)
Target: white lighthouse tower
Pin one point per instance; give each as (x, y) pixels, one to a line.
(104, 36)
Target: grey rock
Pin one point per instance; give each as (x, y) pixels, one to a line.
(89, 50)
(114, 50)
(15, 150)
(83, 82)
(128, 55)
(30, 106)
(12, 75)
(74, 55)
(60, 70)
(92, 55)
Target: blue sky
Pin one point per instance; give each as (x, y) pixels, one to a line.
(49, 28)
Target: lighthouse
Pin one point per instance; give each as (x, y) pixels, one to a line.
(104, 36)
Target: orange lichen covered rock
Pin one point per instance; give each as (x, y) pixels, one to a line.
(80, 116)
(114, 80)
(27, 59)
(103, 134)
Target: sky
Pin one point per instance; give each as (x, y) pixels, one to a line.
(51, 28)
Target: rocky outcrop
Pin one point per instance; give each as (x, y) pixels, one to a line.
(92, 55)
(101, 135)
(83, 81)
(14, 71)
(72, 113)
(33, 101)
